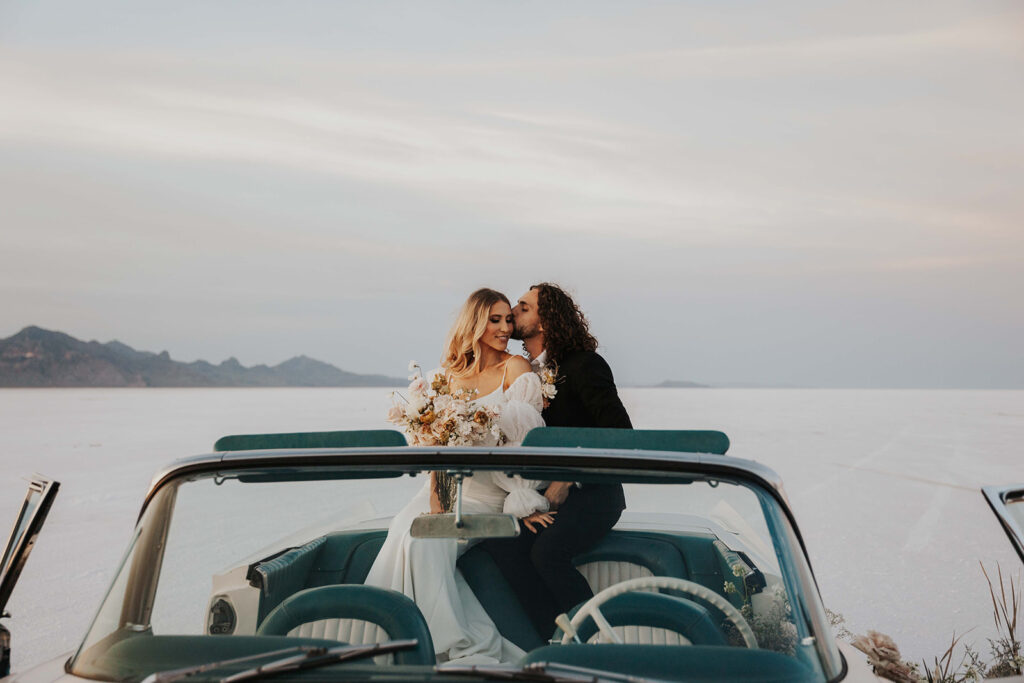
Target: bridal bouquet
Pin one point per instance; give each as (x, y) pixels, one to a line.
(437, 415)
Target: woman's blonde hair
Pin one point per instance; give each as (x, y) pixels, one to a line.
(462, 348)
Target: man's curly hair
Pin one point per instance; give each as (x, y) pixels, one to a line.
(565, 327)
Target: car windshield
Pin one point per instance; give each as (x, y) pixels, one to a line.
(238, 564)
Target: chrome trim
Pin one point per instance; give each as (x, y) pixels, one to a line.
(29, 523)
(997, 497)
(389, 457)
(419, 455)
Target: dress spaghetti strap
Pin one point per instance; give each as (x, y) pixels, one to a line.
(504, 372)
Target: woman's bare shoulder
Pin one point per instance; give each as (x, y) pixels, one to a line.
(515, 367)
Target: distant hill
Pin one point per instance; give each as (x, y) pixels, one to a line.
(679, 384)
(36, 357)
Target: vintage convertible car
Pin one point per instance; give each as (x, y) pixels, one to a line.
(249, 563)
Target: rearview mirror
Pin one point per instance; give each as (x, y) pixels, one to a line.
(470, 526)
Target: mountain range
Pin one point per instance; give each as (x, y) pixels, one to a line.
(35, 357)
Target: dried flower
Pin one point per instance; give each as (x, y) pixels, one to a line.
(437, 415)
(884, 657)
(548, 378)
(877, 646)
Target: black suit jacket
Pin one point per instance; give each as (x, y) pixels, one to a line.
(587, 397)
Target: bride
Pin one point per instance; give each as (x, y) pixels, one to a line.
(475, 358)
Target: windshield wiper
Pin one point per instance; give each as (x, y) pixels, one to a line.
(543, 672)
(301, 657)
(321, 657)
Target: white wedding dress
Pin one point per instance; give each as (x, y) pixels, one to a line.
(424, 569)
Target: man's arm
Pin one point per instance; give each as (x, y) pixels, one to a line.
(557, 492)
(595, 386)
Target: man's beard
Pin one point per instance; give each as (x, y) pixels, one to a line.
(523, 333)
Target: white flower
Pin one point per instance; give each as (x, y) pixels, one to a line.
(442, 404)
(433, 418)
(548, 379)
(415, 407)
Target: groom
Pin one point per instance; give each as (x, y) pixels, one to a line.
(538, 563)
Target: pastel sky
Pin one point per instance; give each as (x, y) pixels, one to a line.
(801, 193)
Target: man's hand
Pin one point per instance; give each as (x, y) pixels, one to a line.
(545, 519)
(557, 492)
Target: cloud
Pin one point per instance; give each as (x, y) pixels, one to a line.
(758, 178)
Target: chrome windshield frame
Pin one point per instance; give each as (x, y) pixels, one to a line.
(607, 463)
(417, 459)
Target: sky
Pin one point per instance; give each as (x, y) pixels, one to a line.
(771, 194)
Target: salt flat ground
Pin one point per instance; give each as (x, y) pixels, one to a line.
(884, 484)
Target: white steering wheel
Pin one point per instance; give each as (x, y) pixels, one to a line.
(591, 608)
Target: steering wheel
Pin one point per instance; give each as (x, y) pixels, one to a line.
(592, 607)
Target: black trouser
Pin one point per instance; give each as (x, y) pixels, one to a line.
(538, 566)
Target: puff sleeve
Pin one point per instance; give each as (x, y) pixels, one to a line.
(521, 406)
(523, 498)
(520, 412)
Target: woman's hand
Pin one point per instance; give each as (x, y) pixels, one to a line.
(544, 519)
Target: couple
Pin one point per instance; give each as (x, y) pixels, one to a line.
(561, 522)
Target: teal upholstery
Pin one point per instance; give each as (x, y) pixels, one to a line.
(369, 438)
(682, 555)
(345, 557)
(392, 611)
(679, 441)
(680, 615)
(686, 556)
(495, 595)
(696, 664)
(661, 557)
(692, 556)
(285, 574)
